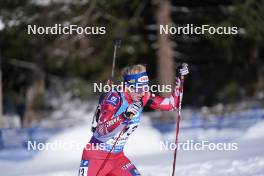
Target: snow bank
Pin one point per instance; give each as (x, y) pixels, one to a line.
(250, 167)
(145, 140)
(254, 132)
(74, 140)
(143, 149)
(212, 134)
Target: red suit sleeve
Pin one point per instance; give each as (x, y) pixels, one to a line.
(167, 104)
(107, 121)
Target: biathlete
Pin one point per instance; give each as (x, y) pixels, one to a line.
(119, 116)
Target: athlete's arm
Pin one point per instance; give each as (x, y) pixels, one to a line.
(170, 103)
(107, 121)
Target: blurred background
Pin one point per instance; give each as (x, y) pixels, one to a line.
(46, 82)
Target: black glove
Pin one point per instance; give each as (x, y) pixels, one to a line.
(132, 110)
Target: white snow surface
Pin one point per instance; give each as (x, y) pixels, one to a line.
(255, 132)
(143, 148)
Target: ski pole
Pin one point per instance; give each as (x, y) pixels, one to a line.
(178, 126)
(109, 153)
(117, 139)
(117, 43)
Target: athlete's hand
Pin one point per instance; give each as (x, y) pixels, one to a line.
(182, 70)
(132, 110)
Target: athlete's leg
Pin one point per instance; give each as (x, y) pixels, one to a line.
(90, 164)
(124, 167)
(90, 167)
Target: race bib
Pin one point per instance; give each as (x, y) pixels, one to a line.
(83, 171)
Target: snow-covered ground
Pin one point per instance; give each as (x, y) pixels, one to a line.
(144, 149)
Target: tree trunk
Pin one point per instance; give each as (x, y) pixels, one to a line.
(255, 62)
(165, 51)
(34, 98)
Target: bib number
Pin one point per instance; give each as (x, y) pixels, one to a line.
(83, 171)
